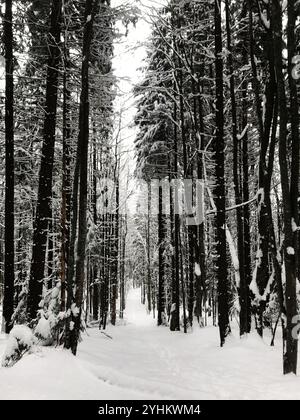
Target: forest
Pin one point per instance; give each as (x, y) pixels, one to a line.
(191, 223)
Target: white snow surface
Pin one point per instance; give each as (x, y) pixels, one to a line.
(138, 360)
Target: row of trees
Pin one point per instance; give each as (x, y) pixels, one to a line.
(217, 114)
(219, 103)
(64, 238)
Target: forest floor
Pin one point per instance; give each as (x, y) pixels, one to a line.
(138, 360)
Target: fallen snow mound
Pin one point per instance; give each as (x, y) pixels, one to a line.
(20, 341)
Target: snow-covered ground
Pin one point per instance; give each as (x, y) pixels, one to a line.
(142, 361)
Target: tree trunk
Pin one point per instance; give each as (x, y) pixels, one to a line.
(149, 247)
(243, 288)
(222, 273)
(267, 141)
(290, 342)
(115, 253)
(175, 303)
(95, 220)
(246, 197)
(43, 207)
(122, 270)
(9, 270)
(294, 109)
(83, 141)
(161, 263)
(66, 176)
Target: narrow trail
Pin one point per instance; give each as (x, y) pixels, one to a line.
(135, 358)
(143, 361)
(135, 312)
(152, 360)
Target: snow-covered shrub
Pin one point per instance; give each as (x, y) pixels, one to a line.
(20, 341)
(50, 324)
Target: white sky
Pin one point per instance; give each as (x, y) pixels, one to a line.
(129, 55)
(130, 51)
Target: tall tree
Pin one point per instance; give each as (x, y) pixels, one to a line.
(83, 142)
(9, 269)
(290, 342)
(161, 297)
(43, 207)
(222, 273)
(66, 162)
(243, 286)
(293, 10)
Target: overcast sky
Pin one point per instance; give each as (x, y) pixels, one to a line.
(130, 51)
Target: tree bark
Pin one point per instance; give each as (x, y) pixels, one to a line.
(115, 252)
(222, 271)
(9, 253)
(294, 110)
(83, 142)
(290, 343)
(66, 176)
(95, 286)
(161, 264)
(43, 207)
(243, 288)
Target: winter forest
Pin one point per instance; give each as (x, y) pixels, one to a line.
(150, 199)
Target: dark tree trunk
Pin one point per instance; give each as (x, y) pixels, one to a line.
(43, 207)
(201, 257)
(161, 302)
(95, 220)
(294, 109)
(174, 307)
(122, 269)
(243, 287)
(187, 171)
(149, 247)
(182, 283)
(9, 271)
(222, 271)
(290, 342)
(50, 252)
(71, 250)
(246, 196)
(115, 255)
(175, 303)
(83, 141)
(66, 176)
(262, 272)
(105, 271)
(201, 292)
(267, 141)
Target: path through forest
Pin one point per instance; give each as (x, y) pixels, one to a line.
(138, 360)
(140, 356)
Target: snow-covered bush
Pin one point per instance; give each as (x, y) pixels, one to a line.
(50, 324)
(48, 328)
(20, 341)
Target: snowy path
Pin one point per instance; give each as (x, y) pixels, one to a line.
(142, 361)
(169, 365)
